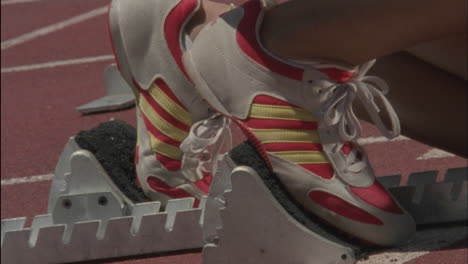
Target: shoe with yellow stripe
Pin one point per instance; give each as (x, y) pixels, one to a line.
(148, 39)
(300, 119)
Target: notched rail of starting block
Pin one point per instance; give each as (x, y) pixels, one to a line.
(144, 232)
(432, 202)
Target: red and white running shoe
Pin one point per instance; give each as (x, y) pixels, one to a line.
(148, 38)
(300, 119)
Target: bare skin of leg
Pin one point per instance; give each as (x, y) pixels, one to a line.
(430, 103)
(208, 11)
(353, 32)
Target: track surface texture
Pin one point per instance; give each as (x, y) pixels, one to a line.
(39, 96)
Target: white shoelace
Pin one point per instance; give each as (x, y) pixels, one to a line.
(207, 143)
(338, 110)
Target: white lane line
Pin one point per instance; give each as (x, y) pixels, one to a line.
(435, 154)
(60, 63)
(52, 28)
(12, 2)
(30, 179)
(372, 140)
(421, 244)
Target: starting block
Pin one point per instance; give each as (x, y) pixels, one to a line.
(268, 234)
(251, 221)
(118, 94)
(91, 217)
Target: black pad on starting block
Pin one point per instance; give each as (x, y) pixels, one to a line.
(113, 145)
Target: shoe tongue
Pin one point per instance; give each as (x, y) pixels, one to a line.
(347, 147)
(335, 72)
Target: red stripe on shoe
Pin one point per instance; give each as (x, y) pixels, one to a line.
(173, 26)
(160, 186)
(248, 42)
(377, 196)
(325, 171)
(322, 170)
(287, 146)
(135, 160)
(343, 208)
(158, 134)
(269, 100)
(204, 184)
(165, 88)
(280, 124)
(163, 113)
(169, 163)
(337, 75)
(347, 147)
(254, 140)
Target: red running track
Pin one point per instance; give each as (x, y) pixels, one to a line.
(38, 111)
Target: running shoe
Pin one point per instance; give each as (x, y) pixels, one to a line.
(148, 40)
(299, 116)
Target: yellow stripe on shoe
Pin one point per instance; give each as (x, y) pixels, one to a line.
(289, 132)
(163, 148)
(286, 135)
(160, 123)
(302, 157)
(169, 105)
(262, 111)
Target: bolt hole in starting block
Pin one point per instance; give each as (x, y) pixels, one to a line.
(96, 211)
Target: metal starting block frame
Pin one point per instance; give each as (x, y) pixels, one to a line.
(253, 228)
(268, 234)
(118, 96)
(90, 218)
(240, 221)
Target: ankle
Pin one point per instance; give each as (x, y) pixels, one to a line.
(208, 11)
(197, 22)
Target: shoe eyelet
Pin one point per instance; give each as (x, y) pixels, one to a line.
(204, 156)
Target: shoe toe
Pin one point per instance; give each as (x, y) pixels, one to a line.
(396, 230)
(398, 225)
(376, 219)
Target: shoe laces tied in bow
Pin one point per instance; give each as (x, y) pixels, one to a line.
(338, 110)
(207, 143)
